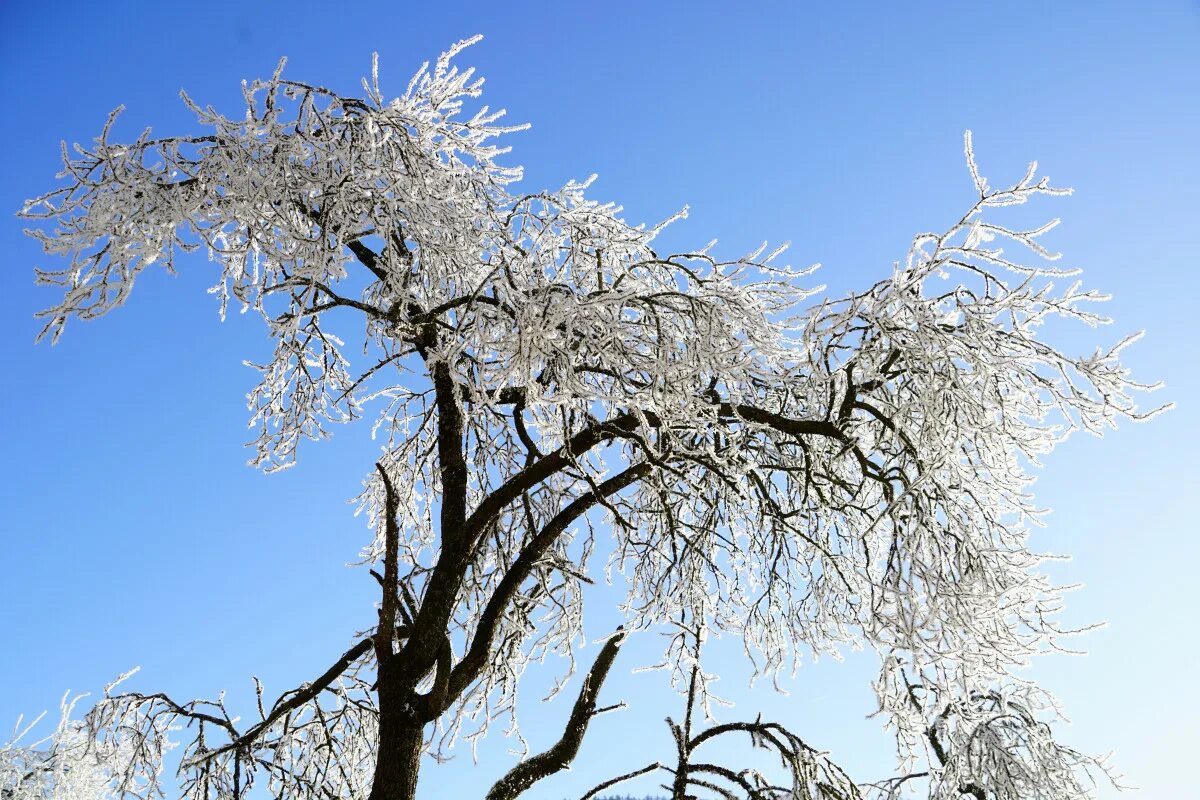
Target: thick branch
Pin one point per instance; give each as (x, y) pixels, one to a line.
(563, 752)
(778, 422)
(442, 590)
(729, 412)
(473, 662)
(544, 467)
(367, 258)
(385, 636)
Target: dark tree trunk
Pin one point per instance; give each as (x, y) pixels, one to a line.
(401, 734)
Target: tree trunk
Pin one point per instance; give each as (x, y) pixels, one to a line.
(401, 736)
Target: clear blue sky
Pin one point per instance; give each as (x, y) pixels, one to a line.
(132, 533)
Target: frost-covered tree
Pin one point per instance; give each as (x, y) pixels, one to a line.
(543, 375)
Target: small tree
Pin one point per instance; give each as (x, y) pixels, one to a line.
(851, 472)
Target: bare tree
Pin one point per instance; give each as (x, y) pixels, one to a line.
(853, 471)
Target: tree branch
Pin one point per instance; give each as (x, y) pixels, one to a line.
(600, 787)
(301, 697)
(385, 636)
(473, 662)
(544, 467)
(441, 592)
(560, 755)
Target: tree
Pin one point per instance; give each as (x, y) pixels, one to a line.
(855, 471)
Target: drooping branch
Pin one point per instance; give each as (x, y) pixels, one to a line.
(295, 700)
(811, 774)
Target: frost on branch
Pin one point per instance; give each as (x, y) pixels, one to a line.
(87, 758)
(854, 472)
(315, 741)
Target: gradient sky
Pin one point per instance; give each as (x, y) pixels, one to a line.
(132, 533)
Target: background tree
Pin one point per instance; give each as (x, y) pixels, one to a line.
(852, 472)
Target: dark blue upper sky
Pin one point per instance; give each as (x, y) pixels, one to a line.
(132, 532)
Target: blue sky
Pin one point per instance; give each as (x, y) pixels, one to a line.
(132, 533)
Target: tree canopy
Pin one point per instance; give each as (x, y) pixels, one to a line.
(550, 385)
